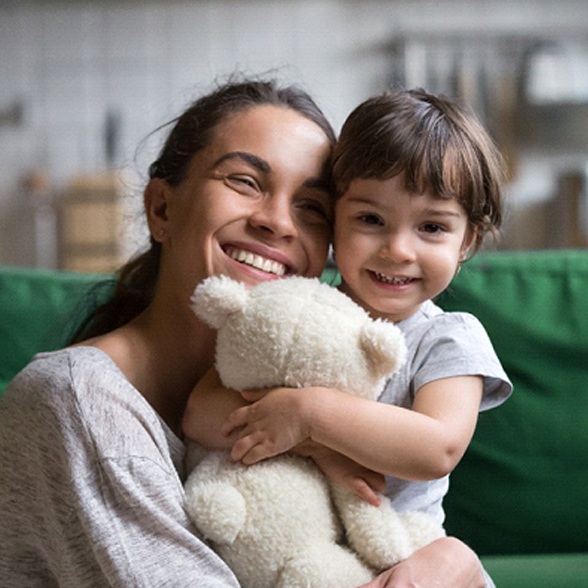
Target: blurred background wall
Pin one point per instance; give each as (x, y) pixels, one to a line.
(84, 83)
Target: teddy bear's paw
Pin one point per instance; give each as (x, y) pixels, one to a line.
(218, 511)
(392, 537)
(422, 528)
(324, 565)
(377, 534)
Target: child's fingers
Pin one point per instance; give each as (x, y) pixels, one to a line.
(238, 418)
(240, 449)
(248, 450)
(375, 480)
(253, 395)
(362, 489)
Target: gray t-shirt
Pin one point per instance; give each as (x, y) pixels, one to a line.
(440, 345)
(91, 487)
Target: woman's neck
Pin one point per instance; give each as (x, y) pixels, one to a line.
(162, 360)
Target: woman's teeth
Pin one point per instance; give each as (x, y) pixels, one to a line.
(257, 261)
(397, 281)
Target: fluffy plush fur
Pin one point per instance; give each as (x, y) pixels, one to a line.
(281, 523)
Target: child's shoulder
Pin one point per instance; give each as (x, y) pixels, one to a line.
(432, 323)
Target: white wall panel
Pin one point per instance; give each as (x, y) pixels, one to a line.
(72, 62)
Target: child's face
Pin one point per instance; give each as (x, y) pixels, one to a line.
(395, 249)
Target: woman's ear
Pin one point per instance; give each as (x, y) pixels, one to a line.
(156, 200)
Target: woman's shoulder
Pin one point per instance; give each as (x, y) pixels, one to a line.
(82, 390)
(55, 381)
(57, 367)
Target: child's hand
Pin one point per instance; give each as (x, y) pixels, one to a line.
(274, 424)
(363, 482)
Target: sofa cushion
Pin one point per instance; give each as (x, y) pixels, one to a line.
(521, 488)
(568, 570)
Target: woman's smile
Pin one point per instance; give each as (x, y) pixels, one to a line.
(256, 261)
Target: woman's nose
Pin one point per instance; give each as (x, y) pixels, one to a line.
(274, 214)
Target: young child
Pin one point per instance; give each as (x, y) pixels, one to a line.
(418, 189)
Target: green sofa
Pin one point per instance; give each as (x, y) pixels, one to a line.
(518, 496)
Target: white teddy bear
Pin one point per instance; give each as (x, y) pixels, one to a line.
(281, 522)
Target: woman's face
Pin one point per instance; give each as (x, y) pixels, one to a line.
(254, 206)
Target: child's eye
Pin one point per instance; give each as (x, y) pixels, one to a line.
(432, 228)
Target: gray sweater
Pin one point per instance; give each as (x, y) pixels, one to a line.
(91, 487)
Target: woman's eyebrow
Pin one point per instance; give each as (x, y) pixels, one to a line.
(250, 158)
(319, 184)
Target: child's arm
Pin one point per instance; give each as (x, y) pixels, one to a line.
(208, 407)
(423, 443)
(363, 482)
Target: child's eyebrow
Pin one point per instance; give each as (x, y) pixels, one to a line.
(441, 212)
(361, 200)
(257, 162)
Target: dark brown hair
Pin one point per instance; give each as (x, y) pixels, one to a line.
(437, 143)
(192, 131)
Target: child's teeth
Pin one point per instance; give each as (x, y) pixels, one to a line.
(392, 279)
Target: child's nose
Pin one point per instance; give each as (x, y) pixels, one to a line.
(398, 248)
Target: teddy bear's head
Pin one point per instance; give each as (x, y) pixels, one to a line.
(296, 332)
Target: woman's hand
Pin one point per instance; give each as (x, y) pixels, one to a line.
(274, 424)
(444, 563)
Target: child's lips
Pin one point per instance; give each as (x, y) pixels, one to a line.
(393, 280)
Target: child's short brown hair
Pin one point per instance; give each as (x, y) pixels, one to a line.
(438, 144)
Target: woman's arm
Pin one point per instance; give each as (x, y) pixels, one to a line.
(444, 563)
(423, 443)
(207, 409)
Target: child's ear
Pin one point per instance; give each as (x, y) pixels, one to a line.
(468, 242)
(156, 200)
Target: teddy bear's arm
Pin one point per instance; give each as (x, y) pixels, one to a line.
(208, 407)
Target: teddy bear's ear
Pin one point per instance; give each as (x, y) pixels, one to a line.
(216, 298)
(383, 345)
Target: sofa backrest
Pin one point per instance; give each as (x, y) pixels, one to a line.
(521, 488)
(39, 311)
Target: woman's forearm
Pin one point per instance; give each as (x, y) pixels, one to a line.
(208, 407)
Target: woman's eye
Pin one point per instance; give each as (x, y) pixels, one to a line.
(242, 182)
(370, 219)
(315, 206)
(314, 212)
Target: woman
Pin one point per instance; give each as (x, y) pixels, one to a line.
(90, 447)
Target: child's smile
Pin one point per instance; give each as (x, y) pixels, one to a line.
(394, 248)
